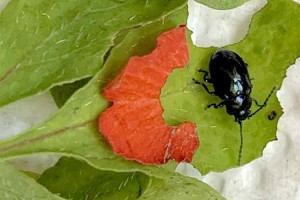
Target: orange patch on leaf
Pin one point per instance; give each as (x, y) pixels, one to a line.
(134, 126)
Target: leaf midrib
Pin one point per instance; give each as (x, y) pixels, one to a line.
(44, 136)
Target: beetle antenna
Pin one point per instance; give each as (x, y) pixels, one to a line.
(264, 104)
(241, 143)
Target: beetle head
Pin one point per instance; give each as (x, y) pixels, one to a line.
(244, 110)
(242, 115)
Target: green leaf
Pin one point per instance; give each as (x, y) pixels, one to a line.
(62, 93)
(272, 45)
(179, 187)
(16, 185)
(76, 180)
(73, 179)
(44, 43)
(222, 4)
(74, 131)
(32, 175)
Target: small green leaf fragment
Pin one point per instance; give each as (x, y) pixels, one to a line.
(32, 175)
(62, 93)
(222, 4)
(16, 185)
(177, 187)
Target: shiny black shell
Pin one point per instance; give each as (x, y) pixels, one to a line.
(230, 78)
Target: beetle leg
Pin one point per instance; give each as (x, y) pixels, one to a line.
(257, 104)
(205, 78)
(216, 105)
(204, 86)
(263, 105)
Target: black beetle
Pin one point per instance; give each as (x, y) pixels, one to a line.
(230, 78)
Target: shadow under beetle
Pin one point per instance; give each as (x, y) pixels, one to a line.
(230, 78)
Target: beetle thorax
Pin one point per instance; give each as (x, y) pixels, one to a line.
(238, 101)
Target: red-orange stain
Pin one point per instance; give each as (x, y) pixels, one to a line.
(133, 125)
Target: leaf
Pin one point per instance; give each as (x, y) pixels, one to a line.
(74, 179)
(40, 49)
(16, 185)
(272, 44)
(179, 187)
(73, 131)
(32, 175)
(62, 93)
(222, 4)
